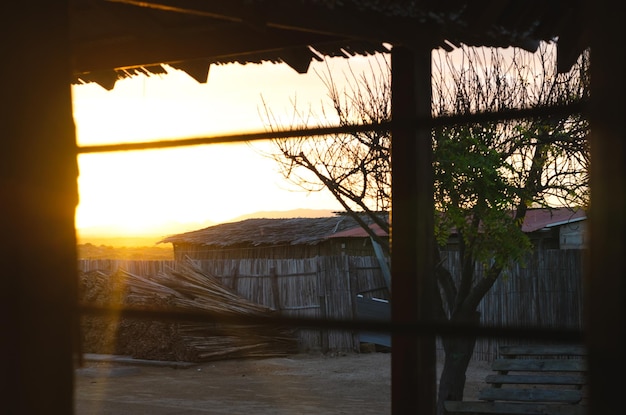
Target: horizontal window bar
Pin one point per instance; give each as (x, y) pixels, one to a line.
(561, 110)
(404, 328)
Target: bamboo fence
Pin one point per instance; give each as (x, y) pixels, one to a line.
(547, 291)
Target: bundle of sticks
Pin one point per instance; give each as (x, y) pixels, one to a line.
(185, 288)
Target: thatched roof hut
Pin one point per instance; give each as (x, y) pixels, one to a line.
(308, 237)
(273, 238)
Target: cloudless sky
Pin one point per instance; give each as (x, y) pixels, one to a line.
(159, 192)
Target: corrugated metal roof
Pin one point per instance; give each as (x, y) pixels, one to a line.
(359, 232)
(537, 219)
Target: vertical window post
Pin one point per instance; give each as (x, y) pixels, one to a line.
(413, 365)
(38, 198)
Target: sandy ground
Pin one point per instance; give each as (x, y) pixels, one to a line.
(300, 384)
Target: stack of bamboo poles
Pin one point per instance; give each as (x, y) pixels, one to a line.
(185, 288)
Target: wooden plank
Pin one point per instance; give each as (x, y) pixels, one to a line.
(529, 399)
(510, 408)
(540, 365)
(575, 380)
(531, 395)
(543, 350)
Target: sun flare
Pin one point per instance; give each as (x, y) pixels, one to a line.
(160, 191)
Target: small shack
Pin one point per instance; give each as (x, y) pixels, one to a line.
(328, 267)
(548, 229)
(294, 238)
(301, 267)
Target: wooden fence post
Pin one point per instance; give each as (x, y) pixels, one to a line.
(323, 332)
(235, 279)
(275, 288)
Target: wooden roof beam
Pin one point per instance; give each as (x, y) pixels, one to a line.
(297, 17)
(128, 52)
(353, 23)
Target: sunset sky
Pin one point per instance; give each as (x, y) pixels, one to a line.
(159, 192)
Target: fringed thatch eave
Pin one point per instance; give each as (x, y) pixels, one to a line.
(258, 232)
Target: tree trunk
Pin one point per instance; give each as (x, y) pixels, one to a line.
(458, 352)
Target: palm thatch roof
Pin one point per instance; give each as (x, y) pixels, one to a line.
(115, 39)
(261, 231)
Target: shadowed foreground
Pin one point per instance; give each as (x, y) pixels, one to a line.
(300, 384)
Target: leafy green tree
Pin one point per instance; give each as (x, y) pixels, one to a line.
(486, 174)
